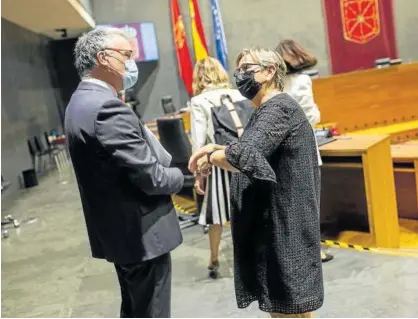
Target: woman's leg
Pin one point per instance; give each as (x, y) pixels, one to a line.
(298, 315)
(215, 233)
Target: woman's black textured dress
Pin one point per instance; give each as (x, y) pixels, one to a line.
(275, 209)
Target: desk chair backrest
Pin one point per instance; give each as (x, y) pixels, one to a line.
(168, 105)
(175, 140)
(48, 143)
(31, 147)
(38, 146)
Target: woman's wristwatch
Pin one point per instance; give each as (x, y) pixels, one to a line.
(208, 155)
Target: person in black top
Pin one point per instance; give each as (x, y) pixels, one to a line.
(274, 194)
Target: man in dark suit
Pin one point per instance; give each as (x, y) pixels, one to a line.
(125, 182)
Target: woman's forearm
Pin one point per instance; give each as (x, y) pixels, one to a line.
(218, 159)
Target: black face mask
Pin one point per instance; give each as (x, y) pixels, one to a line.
(246, 84)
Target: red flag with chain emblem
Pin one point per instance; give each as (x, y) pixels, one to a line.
(183, 55)
(359, 32)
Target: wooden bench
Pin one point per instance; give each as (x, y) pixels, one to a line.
(372, 98)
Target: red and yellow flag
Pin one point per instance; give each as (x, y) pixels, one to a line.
(183, 55)
(199, 41)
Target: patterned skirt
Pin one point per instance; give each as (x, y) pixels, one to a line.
(215, 207)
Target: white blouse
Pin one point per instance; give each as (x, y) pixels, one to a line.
(299, 87)
(201, 116)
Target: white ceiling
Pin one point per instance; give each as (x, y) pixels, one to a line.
(44, 16)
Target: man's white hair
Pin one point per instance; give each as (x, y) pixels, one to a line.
(91, 43)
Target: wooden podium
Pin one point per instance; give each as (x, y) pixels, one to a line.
(358, 183)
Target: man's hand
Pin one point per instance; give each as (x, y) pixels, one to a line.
(198, 185)
(203, 166)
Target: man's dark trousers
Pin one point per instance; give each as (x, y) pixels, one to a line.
(146, 288)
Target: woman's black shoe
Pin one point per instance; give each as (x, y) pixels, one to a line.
(213, 269)
(327, 258)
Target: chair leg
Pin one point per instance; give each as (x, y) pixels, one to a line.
(51, 157)
(44, 164)
(58, 164)
(62, 163)
(36, 164)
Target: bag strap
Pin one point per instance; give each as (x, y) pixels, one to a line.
(227, 101)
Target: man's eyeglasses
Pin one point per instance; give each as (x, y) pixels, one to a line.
(127, 53)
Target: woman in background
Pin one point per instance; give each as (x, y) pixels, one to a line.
(299, 87)
(210, 82)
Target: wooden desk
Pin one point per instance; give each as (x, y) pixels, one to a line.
(407, 152)
(369, 98)
(358, 178)
(413, 142)
(405, 162)
(399, 132)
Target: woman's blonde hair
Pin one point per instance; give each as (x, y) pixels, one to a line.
(267, 58)
(209, 73)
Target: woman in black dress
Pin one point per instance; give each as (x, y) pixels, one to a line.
(274, 195)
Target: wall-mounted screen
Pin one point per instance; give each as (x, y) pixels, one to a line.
(144, 39)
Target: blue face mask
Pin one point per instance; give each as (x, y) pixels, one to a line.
(131, 74)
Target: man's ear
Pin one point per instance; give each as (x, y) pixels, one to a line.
(101, 58)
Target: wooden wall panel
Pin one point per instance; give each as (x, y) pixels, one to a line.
(370, 98)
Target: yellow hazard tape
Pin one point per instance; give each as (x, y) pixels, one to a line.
(404, 252)
(185, 210)
(190, 209)
(345, 245)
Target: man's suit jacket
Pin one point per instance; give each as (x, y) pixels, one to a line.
(125, 191)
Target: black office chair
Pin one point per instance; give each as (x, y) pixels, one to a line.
(51, 147)
(168, 105)
(42, 151)
(33, 153)
(175, 140)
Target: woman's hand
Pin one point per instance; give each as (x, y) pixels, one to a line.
(199, 154)
(198, 185)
